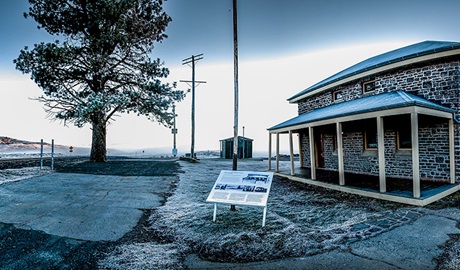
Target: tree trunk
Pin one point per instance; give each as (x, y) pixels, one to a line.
(98, 145)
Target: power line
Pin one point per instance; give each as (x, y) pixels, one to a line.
(192, 60)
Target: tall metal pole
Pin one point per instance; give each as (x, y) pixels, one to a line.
(235, 82)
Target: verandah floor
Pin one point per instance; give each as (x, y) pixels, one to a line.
(398, 189)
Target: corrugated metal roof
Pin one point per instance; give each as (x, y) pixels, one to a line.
(412, 51)
(239, 137)
(380, 102)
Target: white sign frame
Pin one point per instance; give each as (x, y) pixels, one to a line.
(247, 188)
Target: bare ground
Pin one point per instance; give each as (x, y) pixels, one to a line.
(302, 221)
(29, 249)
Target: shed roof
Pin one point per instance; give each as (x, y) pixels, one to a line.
(239, 138)
(398, 55)
(380, 102)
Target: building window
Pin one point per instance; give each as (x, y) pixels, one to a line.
(370, 139)
(404, 138)
(337, 95)
(368, 86)
(370, 134)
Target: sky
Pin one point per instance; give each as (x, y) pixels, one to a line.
(284, 47)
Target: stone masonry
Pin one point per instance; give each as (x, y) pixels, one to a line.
(438, 82)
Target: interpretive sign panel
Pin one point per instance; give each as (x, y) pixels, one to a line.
(241, 188)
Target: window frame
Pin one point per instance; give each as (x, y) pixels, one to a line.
(398, 140)
(365, 135)
(334, 95)
(364, 84)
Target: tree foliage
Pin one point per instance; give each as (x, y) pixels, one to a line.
(101, 64)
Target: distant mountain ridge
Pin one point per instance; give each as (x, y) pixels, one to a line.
(15, 148)
(8, 140)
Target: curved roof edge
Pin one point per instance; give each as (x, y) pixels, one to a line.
(405, 53)
(379, 102)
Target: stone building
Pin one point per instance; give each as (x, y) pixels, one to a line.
(392, 115)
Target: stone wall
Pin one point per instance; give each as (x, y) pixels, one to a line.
(438, 82)
(433, 145)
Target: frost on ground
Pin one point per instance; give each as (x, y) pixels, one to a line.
(13, 175)
(142, 256)
(301, 220)
(451, 258)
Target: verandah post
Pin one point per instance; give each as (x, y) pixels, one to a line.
(291, 152)
(277, 169)
(381, 153)
(415, 155)
(340, 154)
(312, 153)
(269, 151)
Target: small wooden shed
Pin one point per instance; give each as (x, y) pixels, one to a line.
(244, 148)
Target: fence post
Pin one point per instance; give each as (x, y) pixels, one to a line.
(52, 154)
(41, 154)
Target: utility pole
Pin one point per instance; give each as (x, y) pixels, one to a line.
(174, 132)
(192, 60)
(235, 82)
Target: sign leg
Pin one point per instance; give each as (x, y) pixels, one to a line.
(215, 213)
(264, 217)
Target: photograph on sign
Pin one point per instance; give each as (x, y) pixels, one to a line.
(241, 187)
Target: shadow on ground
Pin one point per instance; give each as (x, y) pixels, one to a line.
(123, 167)
(32, 249)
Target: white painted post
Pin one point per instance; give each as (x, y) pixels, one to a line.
(264, 216)
(312, 153)
(269, 151)
(340, 154)
(52, 154)
(381, 152)
(291, 152)
(452, 151)
(215, 213)
(41, 154)
(277, 169)
(415, 155)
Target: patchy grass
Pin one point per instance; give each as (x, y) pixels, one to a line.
(301, 220)
(446, 202)
(13, 175)
(140, 256)
(450, 259)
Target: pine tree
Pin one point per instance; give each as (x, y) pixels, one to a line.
(100, 65)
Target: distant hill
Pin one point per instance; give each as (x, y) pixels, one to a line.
(15, 148)
(8, 140)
